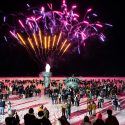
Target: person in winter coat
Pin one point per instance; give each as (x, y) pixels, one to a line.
(99, 99)
(63, 109)
(68, 110)
(59, 98)
(88, 100)
(2, 106)
(115, 103)
(99, 120)
(93, 108)
(29, 117)
(42, 120)
(11, 119)
(17, 118)
(62, 121)
(89, 108)
(1, 96)
(111, 120)
(86, 121)
(46, 112)
(77, 100)
(9, 108)
(119, 105)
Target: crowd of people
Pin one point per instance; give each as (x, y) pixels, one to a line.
(43, 119)
(94, 90)
(25, 88)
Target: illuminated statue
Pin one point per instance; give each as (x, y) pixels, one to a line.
(72, 82)
(46, 75)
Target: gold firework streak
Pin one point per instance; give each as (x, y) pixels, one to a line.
(40, 37)
(67, 47)
(59, 38)
(45, 42)
(54, 39)
(37, 44)
(21, 39)
(48, 42)
(63, 45)
(41, 42)
(35, 39)
(30, 42)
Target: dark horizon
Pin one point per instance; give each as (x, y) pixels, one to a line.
(97, 59)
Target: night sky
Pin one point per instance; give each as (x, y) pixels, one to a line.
(96, 59)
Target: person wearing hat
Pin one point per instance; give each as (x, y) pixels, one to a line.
(99, 120)
(41, 108)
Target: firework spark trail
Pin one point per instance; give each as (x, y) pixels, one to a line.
(13, 34)
(45, 38)
(37, 45)
(30, 42)
(21, 39)
(63, 45)
(40, 38)
(48, 42)
(35, 39)
(22, 25)
(41, 45)
(32, 46)
(54, 40)
(59, 38)
(27, 48)
(66, 48)
(45, 44)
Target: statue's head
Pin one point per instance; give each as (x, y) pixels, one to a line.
(47, 67)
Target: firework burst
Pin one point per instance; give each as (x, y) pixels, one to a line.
(49, 33)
